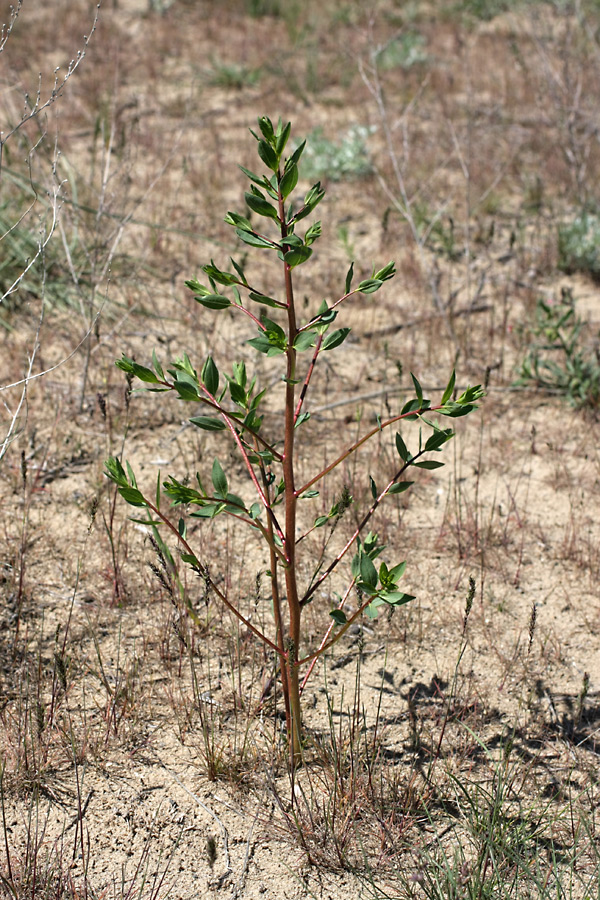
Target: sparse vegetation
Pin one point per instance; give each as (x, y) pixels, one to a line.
(449, 750)
(558, 360)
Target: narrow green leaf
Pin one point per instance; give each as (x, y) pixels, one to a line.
(429, 464)
(208, 424)
(235, 219)
(386, 273)
(400, 487)
(335, 338)
(219, 479)
(450, 388)
(370, 285)
(402, 448)
(268, 156)
(132, 496)
(261, 206)
(418, 388)
(282, 138)
(289, 180)
(349, 277)
(261, 298)
(374, 491)
(303, 417)
(368, 572)
(214, 301)
(157, 366)
(254, 240)
(266, 126)
(210, 376)
(191, 560)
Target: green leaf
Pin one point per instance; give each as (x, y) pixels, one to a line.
(400, 487)
(313, 233)
(208, 424)
(418, 388)
(386, 273)
(261, 205)
(268, 156)
(282, 137)
(239, 270)
(397, 572)
(370, 285)
(429, 464)
(297, 255)
(126, 364)
(374, 491)
(289, 180)
(132, 496)
(338, 616)
(303, 417)
(219, 479)
(157, 366)
(402, 448)
(320, 521)
(213, 301)
(191, 560)
(450, 388)
(304, 340)
(295, 157)
(438, 439)
(397, 598)
(335, 338)
(210, 376)
(266, 126)
(186, 387)
(368, 572)
(216, 274)
(255, 511)
(115, 471)
(254, 240)
(412, 406)
(261, 298)
(372, 608)
(308, 495)
(238, 394)
(349, 277)
(235, 219)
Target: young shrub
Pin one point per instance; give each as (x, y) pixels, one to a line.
(232, 405)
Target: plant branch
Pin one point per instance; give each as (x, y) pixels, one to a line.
(361, 441)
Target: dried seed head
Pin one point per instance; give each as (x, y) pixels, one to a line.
(211, 850)
(469, 602)
(532, 620)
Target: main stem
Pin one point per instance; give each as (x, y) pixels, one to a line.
(291, 677)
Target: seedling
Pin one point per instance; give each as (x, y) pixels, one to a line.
(232, 404)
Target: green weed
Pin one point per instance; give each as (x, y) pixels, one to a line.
(557, 360)
(233, 403)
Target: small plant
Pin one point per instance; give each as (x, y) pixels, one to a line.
(348, 158)
(579, 245)
(233, 405)
(403, 52)
(556, 360)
